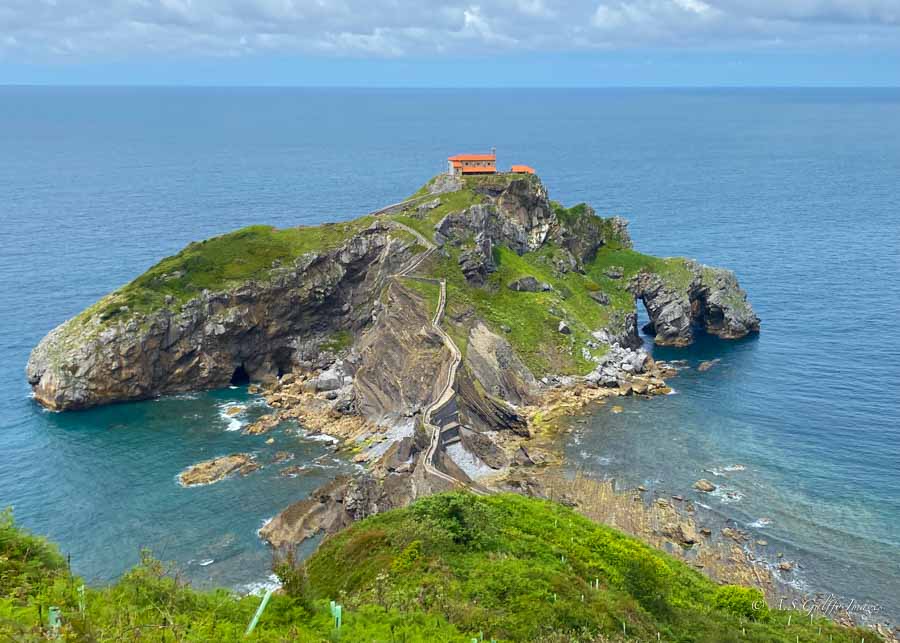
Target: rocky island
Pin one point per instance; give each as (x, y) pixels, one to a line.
(430, 337)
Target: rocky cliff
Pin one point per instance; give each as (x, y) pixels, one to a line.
(256, 330)
(712, 301)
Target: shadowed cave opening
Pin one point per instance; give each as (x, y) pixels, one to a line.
(240, 377)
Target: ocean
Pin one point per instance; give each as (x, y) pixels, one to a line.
(798, 191)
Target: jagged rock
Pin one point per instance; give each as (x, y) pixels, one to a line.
(583, 235)
(704, 485)
(498, 369)
(734, 534)
(522, 458)
(483, 411)
(614, 272)
(477, 262)
(600, 297)
(263, 425)
(336, 505)
(712, 301)
(705, 366)
(329, 380)
(786, 566)
(564, 328)
(519, 217)
(483, 448)
(210, 471)
(282, 456)
(422, 208)
(249, 468)
(444, 183)
(683, 534)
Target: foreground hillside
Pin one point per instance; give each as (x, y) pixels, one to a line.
(451, 567)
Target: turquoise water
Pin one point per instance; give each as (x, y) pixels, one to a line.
(795, 190)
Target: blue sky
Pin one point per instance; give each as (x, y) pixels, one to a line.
(450, 44)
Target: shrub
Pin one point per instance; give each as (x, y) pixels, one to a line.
(743, 601)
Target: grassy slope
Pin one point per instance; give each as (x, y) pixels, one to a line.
(517, 568)
(222, 262)
(533, 318)
(444, 569)
(149, 604)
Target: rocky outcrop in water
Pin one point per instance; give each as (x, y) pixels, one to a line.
(257, 330)
(712, 302)
(211, 471)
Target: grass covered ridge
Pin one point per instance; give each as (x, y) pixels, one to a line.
(445, 569)
(222, 262)
(522, 569)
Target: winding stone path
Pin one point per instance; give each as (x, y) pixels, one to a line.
(447, 391)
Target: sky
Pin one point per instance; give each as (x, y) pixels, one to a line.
(422, 43)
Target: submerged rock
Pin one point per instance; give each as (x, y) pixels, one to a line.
(704, 485)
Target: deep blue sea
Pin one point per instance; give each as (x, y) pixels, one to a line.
(798, 191)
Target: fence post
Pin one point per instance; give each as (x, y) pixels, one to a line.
(259, 611)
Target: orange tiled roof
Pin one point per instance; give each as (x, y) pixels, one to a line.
(473, 157)
(482, 169)
(522, 169)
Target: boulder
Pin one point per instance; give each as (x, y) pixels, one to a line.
(704, 485)
(600, 297)
(564, 328)
(525, 284)
(683, 534)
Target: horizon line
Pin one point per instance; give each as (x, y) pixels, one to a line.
(426, 87)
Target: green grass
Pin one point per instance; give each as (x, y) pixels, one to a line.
(430, 291)
(221, 262)
(673, 270)
(518, 569)
(533, 318)
(149, 603)
(338, 341)
(445, 569)
(450, 202)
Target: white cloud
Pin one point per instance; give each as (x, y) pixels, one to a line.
(91, 29)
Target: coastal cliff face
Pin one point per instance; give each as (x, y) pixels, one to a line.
(256, 330)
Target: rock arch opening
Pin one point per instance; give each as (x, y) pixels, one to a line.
(240, 377)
